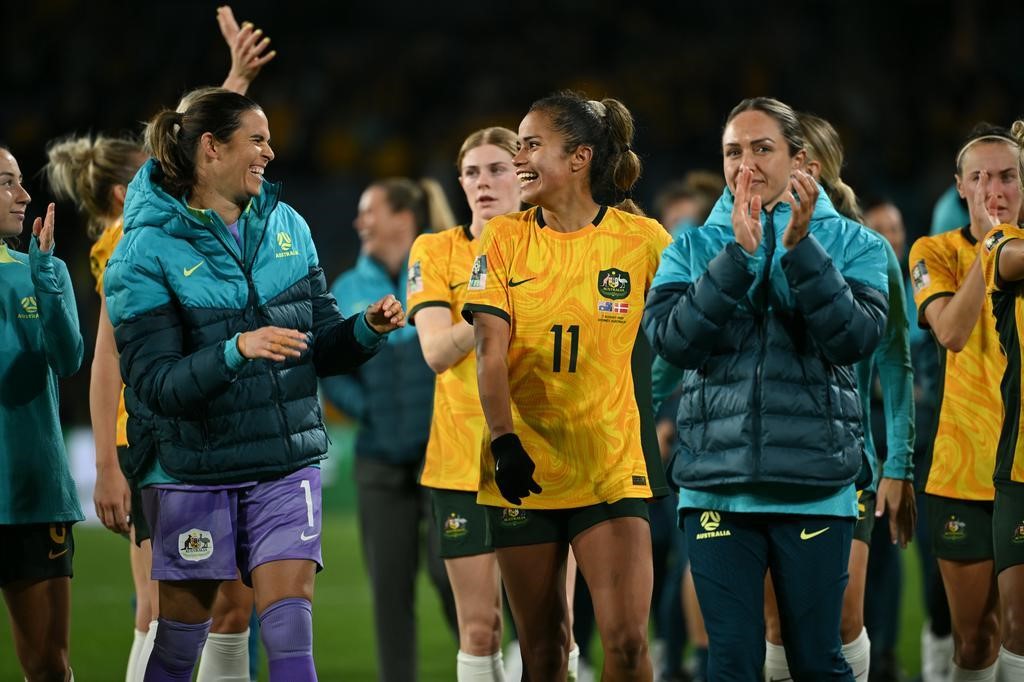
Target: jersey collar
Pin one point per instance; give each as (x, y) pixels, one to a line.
(595, 222)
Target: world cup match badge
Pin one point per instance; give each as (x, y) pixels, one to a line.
(919, 275)
(478, 278)
(415, 282)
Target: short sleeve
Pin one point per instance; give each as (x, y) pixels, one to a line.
(992, 247)
(660, 241)
(932, 273)
(427, 285)
(487, 290)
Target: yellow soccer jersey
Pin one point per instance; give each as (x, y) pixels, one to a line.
(1008, 307)
(573, 302)
(970, 416)
(99, 254)
(439, 266)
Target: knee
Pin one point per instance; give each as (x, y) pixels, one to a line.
(976, 648)
(481, 636)
(232, 619)
(1013, 629)
(626, 648)
(544, 660)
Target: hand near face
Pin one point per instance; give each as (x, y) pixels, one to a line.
(385, 315)
(272, 343)
(801, 197)
(43, 230)
(986, 212)
(248, 48)
(746, 213)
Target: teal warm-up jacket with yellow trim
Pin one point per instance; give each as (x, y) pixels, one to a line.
(40, 343)
(179, 289)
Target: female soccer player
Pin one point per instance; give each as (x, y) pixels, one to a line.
(1003, 264)
(94, 173)
(767, 310)
(42, 344)
(554, 297)
(949, 289)
(439, 264)
(223, 322)
(891, 360)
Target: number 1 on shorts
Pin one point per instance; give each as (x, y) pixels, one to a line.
(309, 502)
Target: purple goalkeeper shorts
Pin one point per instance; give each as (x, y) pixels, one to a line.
(218, 532)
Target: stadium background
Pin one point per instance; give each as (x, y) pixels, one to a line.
(360, 91)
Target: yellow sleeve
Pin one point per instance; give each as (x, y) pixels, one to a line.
(487, 291)
(932, 272)
(660, 242)
(99, 254)
(992, 246)
(428, 284)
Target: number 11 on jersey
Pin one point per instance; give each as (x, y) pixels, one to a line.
(574, 347)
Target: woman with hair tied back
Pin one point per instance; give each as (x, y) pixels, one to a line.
(891, 361)
(94, 173)
(570, 456)
(223, 321)
(766, 308)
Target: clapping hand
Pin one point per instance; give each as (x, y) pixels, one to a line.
(805, 189)
(43, 230)
(385, 315)
(746, 213)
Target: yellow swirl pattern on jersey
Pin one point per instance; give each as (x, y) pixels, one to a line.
(970, 414)
(439, 266)
(574, 303)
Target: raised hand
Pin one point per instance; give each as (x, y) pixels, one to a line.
(982, 211)
(746, 213)
(43, 230)
(272, 343)
(805, 189)
(385, 315)
(248, 47)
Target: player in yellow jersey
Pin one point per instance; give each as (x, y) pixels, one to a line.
(949, 289)
(439, 264)
(1003, 265)
(555, 296)
(94, 173)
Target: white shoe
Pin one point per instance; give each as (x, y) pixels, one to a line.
(936, 656)
(513, 660)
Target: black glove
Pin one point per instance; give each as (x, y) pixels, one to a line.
(513, 468)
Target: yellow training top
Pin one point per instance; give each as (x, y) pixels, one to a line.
(98, 257)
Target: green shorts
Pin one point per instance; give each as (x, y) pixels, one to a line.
(138, 519)
(516, 527)
(1008, 525)
(960, 530)
(36, 551)
(865, 516)
(461, 523)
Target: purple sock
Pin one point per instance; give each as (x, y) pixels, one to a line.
(175, 650)
(286, 628)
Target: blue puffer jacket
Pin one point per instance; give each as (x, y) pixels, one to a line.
(178, 289)
(768, 341)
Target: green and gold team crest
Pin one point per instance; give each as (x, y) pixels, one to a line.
(284, 246)
(513, 518)
(613, 283)
(954, 529)
(711, 521)
(455, 526)
(28, 304)
(1018, 534)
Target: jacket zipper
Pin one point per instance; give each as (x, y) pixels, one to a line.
(762, 334)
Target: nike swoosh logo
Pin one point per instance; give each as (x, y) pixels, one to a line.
(188, 271)
(58, 554)
(804, 535)
(513, 283)
(307, 538)
(455, 286)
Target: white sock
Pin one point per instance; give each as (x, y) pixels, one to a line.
(776, 668)
(574, 663)
(133, 655)
(71, 675)
(962, 675)
(143, 659)
(858, 655)
(225, 658)
(469, 668)
(936, 656)
(513, 662)
(1011, 666)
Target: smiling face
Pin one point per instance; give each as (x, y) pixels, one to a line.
(1002, 187)
(13, 197)
(754, 140)
(236, 172)
(379, 226)
(489, 181)
(543, 167)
